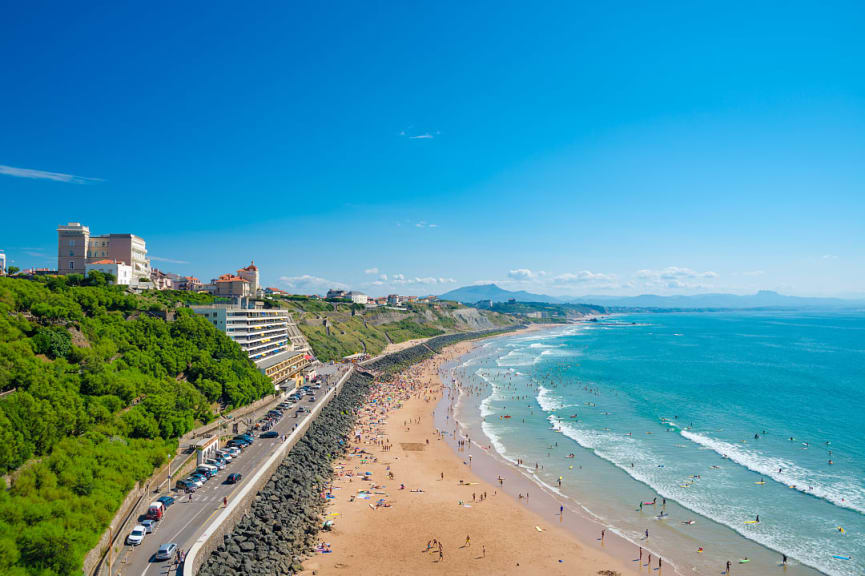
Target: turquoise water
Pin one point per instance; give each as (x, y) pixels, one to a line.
(668, 406)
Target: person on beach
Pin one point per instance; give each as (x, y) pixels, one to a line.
(603, 532)
(647, 533)
(468, 540)
(728, 568)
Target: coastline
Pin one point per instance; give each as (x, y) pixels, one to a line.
(399, 433)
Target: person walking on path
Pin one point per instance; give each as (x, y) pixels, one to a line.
(225, 501)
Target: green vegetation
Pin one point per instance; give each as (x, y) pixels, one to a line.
(353, 329)
(544, 313)
(96, 390)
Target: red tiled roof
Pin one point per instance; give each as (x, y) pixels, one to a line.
(230, 278)
(106, 261)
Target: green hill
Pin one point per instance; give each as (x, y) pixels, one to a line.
(338, 329)
(96, 387)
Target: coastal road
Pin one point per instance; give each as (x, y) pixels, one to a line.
(186, 518)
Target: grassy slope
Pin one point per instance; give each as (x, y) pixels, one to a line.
(371, 330)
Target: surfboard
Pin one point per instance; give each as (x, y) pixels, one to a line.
(840, 557)
(750, 521)
(760, 483)
(744, 560)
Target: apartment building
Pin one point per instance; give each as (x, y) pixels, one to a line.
(76, 248)
(265, 335)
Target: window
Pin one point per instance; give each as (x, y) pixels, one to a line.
(71, 253)
(71, 265)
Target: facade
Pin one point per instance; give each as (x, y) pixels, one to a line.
(76, 248)
(122, 272)
(393, 300)
(190, 283)
(357, 297)
(335, 293)
(284, 365)
(72, 241)
(250, 274)
(267, 335)
(206, 448)
(161, 280)
(2, 263)
(231, 286)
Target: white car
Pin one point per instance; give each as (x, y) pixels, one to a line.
(234, 451)
(226, 455)
(136, 537)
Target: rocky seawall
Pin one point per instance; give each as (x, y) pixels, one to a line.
(285, 517)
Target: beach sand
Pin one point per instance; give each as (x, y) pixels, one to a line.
(507, 537)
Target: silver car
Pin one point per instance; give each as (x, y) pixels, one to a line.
(166, 551)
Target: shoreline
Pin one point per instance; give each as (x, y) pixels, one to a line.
(624, 546)
(576, 519)
(397, 433)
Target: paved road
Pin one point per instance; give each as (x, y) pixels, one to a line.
(185, 520)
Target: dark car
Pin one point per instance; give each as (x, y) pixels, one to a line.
(312, 398)
(234, 478)
(166, 501)
(270, 434)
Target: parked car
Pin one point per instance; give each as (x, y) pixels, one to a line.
(197, 480)
(149, 525)
(234, 451)
(214, 462)
(312, 398)
(136, 537)
(270, 434)
(166, 551)
(156, 511)
(234, 478)
(166, 500)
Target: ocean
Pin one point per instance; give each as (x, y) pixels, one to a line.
(726, 416)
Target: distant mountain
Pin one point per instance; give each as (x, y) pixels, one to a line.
(762, 299)
(472, 294)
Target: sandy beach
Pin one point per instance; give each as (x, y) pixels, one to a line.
(405, 502)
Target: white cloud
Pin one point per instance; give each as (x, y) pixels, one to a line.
(43, 175)
(424, 136)
(754, 273)
(308, 284)
(372, 270)
(382, 276)
(829, 257)
(168, 260)
(524, 274)
(402, 280)
(584, 277)
(425, 224)
(675, 277)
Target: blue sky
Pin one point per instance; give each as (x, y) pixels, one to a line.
(568, 148)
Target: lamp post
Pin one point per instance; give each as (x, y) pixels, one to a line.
(169, 472)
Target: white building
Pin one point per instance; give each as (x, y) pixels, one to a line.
(122, 272)
(264, 334)
(357, 297)
(2, 263)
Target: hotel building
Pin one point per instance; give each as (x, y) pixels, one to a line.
(264, 334)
